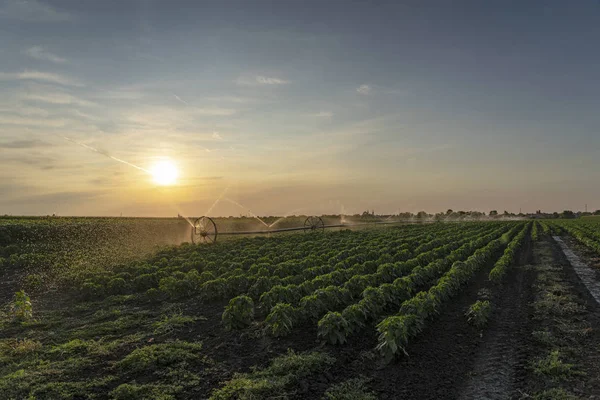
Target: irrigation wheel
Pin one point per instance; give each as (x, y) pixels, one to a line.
(204, 231)
(312, 224)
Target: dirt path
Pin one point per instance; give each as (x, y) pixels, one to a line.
(502, 357)
(503, 367)
(586, 274)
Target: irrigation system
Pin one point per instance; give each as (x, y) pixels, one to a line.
(205, 229)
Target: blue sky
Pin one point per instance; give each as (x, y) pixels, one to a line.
(314, 107)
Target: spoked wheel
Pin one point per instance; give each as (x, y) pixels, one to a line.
(204, 231)
(312, 224)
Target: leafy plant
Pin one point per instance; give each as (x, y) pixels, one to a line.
(479, 313)
(281, 319)
(276, 380)
(33, 282)
(334, 328)
(553, 366)
(239, 313)
(352, 389)
(21, 308)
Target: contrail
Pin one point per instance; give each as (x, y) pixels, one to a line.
(106, 154)
(180, 99)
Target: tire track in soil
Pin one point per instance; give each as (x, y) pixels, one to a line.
(500, 365)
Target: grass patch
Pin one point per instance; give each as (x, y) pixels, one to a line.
(353, 389)
(170, 323)
(155, 357)
(555, 394)
(133, 391)
(275, 380)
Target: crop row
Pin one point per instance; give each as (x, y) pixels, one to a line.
(337, 327)
(354, 277)
(586, 235)
(371, 287)
(191, 266)
(501, 267)
(396, 331)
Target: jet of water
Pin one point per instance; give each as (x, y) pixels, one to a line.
(249, 211)
(285, 216)
(217, 201)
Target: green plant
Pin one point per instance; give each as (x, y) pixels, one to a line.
(281, 319)
(352, 389)
(276, 380)
(171, 322)
(155, 357)
(21, 308)
(91, 291)
(479, 313)
(334, 328)
(117, 286)
(33, 282)
(133, 391)
(555, 394)
(239, 313)
(554, 367)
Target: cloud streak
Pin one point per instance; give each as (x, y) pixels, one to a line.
(32, 11)
(39, 53)
(57, 98)
(33, 75)
(261, 80)
(23, 144)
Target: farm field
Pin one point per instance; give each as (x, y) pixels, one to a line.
(127, 309)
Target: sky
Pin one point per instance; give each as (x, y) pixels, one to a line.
(298, 107)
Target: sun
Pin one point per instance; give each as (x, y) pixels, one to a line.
(164, 173)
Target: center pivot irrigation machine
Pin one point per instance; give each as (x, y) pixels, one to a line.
(205, 229)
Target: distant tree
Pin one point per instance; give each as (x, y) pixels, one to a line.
(493, 213)
(555, 215)
(597, 212)
(422, 215)
(567, 214)
(449, 211)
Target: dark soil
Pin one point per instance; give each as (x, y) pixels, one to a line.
(502, 360)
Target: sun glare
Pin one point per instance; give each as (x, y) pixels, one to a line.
(164, 173)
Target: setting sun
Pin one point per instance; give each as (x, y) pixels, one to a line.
(164, 173)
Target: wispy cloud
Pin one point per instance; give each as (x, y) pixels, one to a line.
(271, 81)
(39, 53)
(364, 89)
(48, 77)
(23, 144)
(57, 98)
(215, 111)
(22, 121)
(261, 80)
(216, 136)
(32, 11)
(324, 114)
(20, 109)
